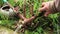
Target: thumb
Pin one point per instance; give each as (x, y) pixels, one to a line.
(47, 13)
(43, 4)
(42, 9)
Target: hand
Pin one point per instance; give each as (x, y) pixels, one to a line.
(45, 7)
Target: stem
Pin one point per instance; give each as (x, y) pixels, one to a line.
(24, 8)
(21, 16)
(29, 20)
(42, 0)
(31, 9)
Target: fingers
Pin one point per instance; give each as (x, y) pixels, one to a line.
(47, 13)
(45, 9)
(43, 4)
(42, 9)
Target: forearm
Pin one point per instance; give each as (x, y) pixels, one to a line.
(54, 6)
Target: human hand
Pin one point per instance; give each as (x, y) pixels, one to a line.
(45, 7)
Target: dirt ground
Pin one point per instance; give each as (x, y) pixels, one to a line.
(4, 30)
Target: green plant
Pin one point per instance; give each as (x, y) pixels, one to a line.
(44, 23)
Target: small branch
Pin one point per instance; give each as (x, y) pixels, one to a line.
(24, 8)
(21, 16)
(29, 20)
(42, 0)
(31, 9)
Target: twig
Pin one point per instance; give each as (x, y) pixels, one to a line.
(24, 8)
(21, 16)
(31, 8)
(42, 0)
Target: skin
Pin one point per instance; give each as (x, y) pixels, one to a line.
(45, 6)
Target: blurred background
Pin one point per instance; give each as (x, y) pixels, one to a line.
(49, 25)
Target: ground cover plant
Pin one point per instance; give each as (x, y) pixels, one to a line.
(42, 25)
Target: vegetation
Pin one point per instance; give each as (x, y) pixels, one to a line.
(42, 25)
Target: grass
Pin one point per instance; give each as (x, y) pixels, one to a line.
(40, 29)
